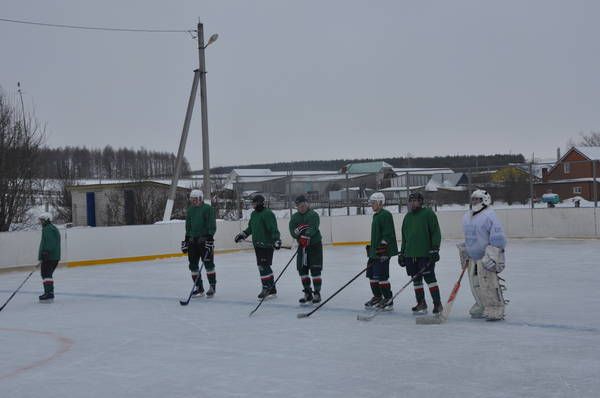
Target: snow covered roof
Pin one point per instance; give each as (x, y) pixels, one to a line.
(421, 170)
(182, 183)
(256, 172)
(590, 152)
(367, 167)
(445, 181)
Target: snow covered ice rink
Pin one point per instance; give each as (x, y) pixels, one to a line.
(119, 331)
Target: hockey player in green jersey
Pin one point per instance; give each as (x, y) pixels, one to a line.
(383, 246)
(265, 238)
(420, 248)
(199, 242)
(48, 255)
(304, 227)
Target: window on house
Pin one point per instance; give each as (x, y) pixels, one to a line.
(577, 190)
(567, 168)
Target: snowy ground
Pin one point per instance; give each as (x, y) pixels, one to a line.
(118, 330)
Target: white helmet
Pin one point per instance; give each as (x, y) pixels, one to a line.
(196, 193)
(485, 201)
(377, 197)
(45, 216)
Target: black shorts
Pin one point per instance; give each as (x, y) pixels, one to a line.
(264, 256)
(379, 270)
(416, 264)
(314, 257)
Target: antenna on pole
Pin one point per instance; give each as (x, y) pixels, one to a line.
(22, 105)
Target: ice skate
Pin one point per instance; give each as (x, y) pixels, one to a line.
(420, 308)
(210, 293)
(46, 298)
(387, 304)
(307, 299)
(371, 304)
(316, 298)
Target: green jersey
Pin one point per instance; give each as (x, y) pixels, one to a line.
(382, 230)
(310, 218)
(200, 221)
(263, 228)
(420, 233)
(50, 242)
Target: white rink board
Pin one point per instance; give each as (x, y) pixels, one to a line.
(20, 248)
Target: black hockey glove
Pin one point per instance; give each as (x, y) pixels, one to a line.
(401, 260)
(185, 245)
(434, 255)
(240, 237)
(277, 244)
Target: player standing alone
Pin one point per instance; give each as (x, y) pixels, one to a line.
(49, 255)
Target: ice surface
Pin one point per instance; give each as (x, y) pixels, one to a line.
(119, 331)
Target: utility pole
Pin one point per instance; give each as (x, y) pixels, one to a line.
(199, 76)
(181, 151)
(203, 106)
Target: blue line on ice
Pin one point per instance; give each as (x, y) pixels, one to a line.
(352, 311)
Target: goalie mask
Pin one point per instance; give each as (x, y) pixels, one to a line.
(480, 199)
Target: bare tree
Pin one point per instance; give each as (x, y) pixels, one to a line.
(20, 142)
(590, 139)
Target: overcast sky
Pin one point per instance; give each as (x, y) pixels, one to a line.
(294, 80)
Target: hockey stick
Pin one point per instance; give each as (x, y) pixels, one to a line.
(368, 317)
(278, 276)
(186, 302)
(443, 317)
(307, 314)
(20, 286)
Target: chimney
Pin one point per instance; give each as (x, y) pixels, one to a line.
(557, 154)
(544, 174)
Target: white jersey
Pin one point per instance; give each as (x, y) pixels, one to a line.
(481, 230)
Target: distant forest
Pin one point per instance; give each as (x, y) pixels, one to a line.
(108, 163)
(457, 162)
(123, 163)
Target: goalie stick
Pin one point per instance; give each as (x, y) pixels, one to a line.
(443, 317)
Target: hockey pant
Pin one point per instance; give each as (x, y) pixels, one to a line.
(47, 270)
(310, 259)
(485, 286)
(198, 252)
(378, 273)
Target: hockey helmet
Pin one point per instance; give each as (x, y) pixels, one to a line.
(377, 197)
(196, 194)
(258, 199)
(45, 216)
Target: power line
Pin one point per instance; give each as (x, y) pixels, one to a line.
(51, 25)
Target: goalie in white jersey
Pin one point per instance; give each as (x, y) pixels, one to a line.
(483, 253)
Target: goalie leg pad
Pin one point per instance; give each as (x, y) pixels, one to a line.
(490, 294)
(476, 310)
